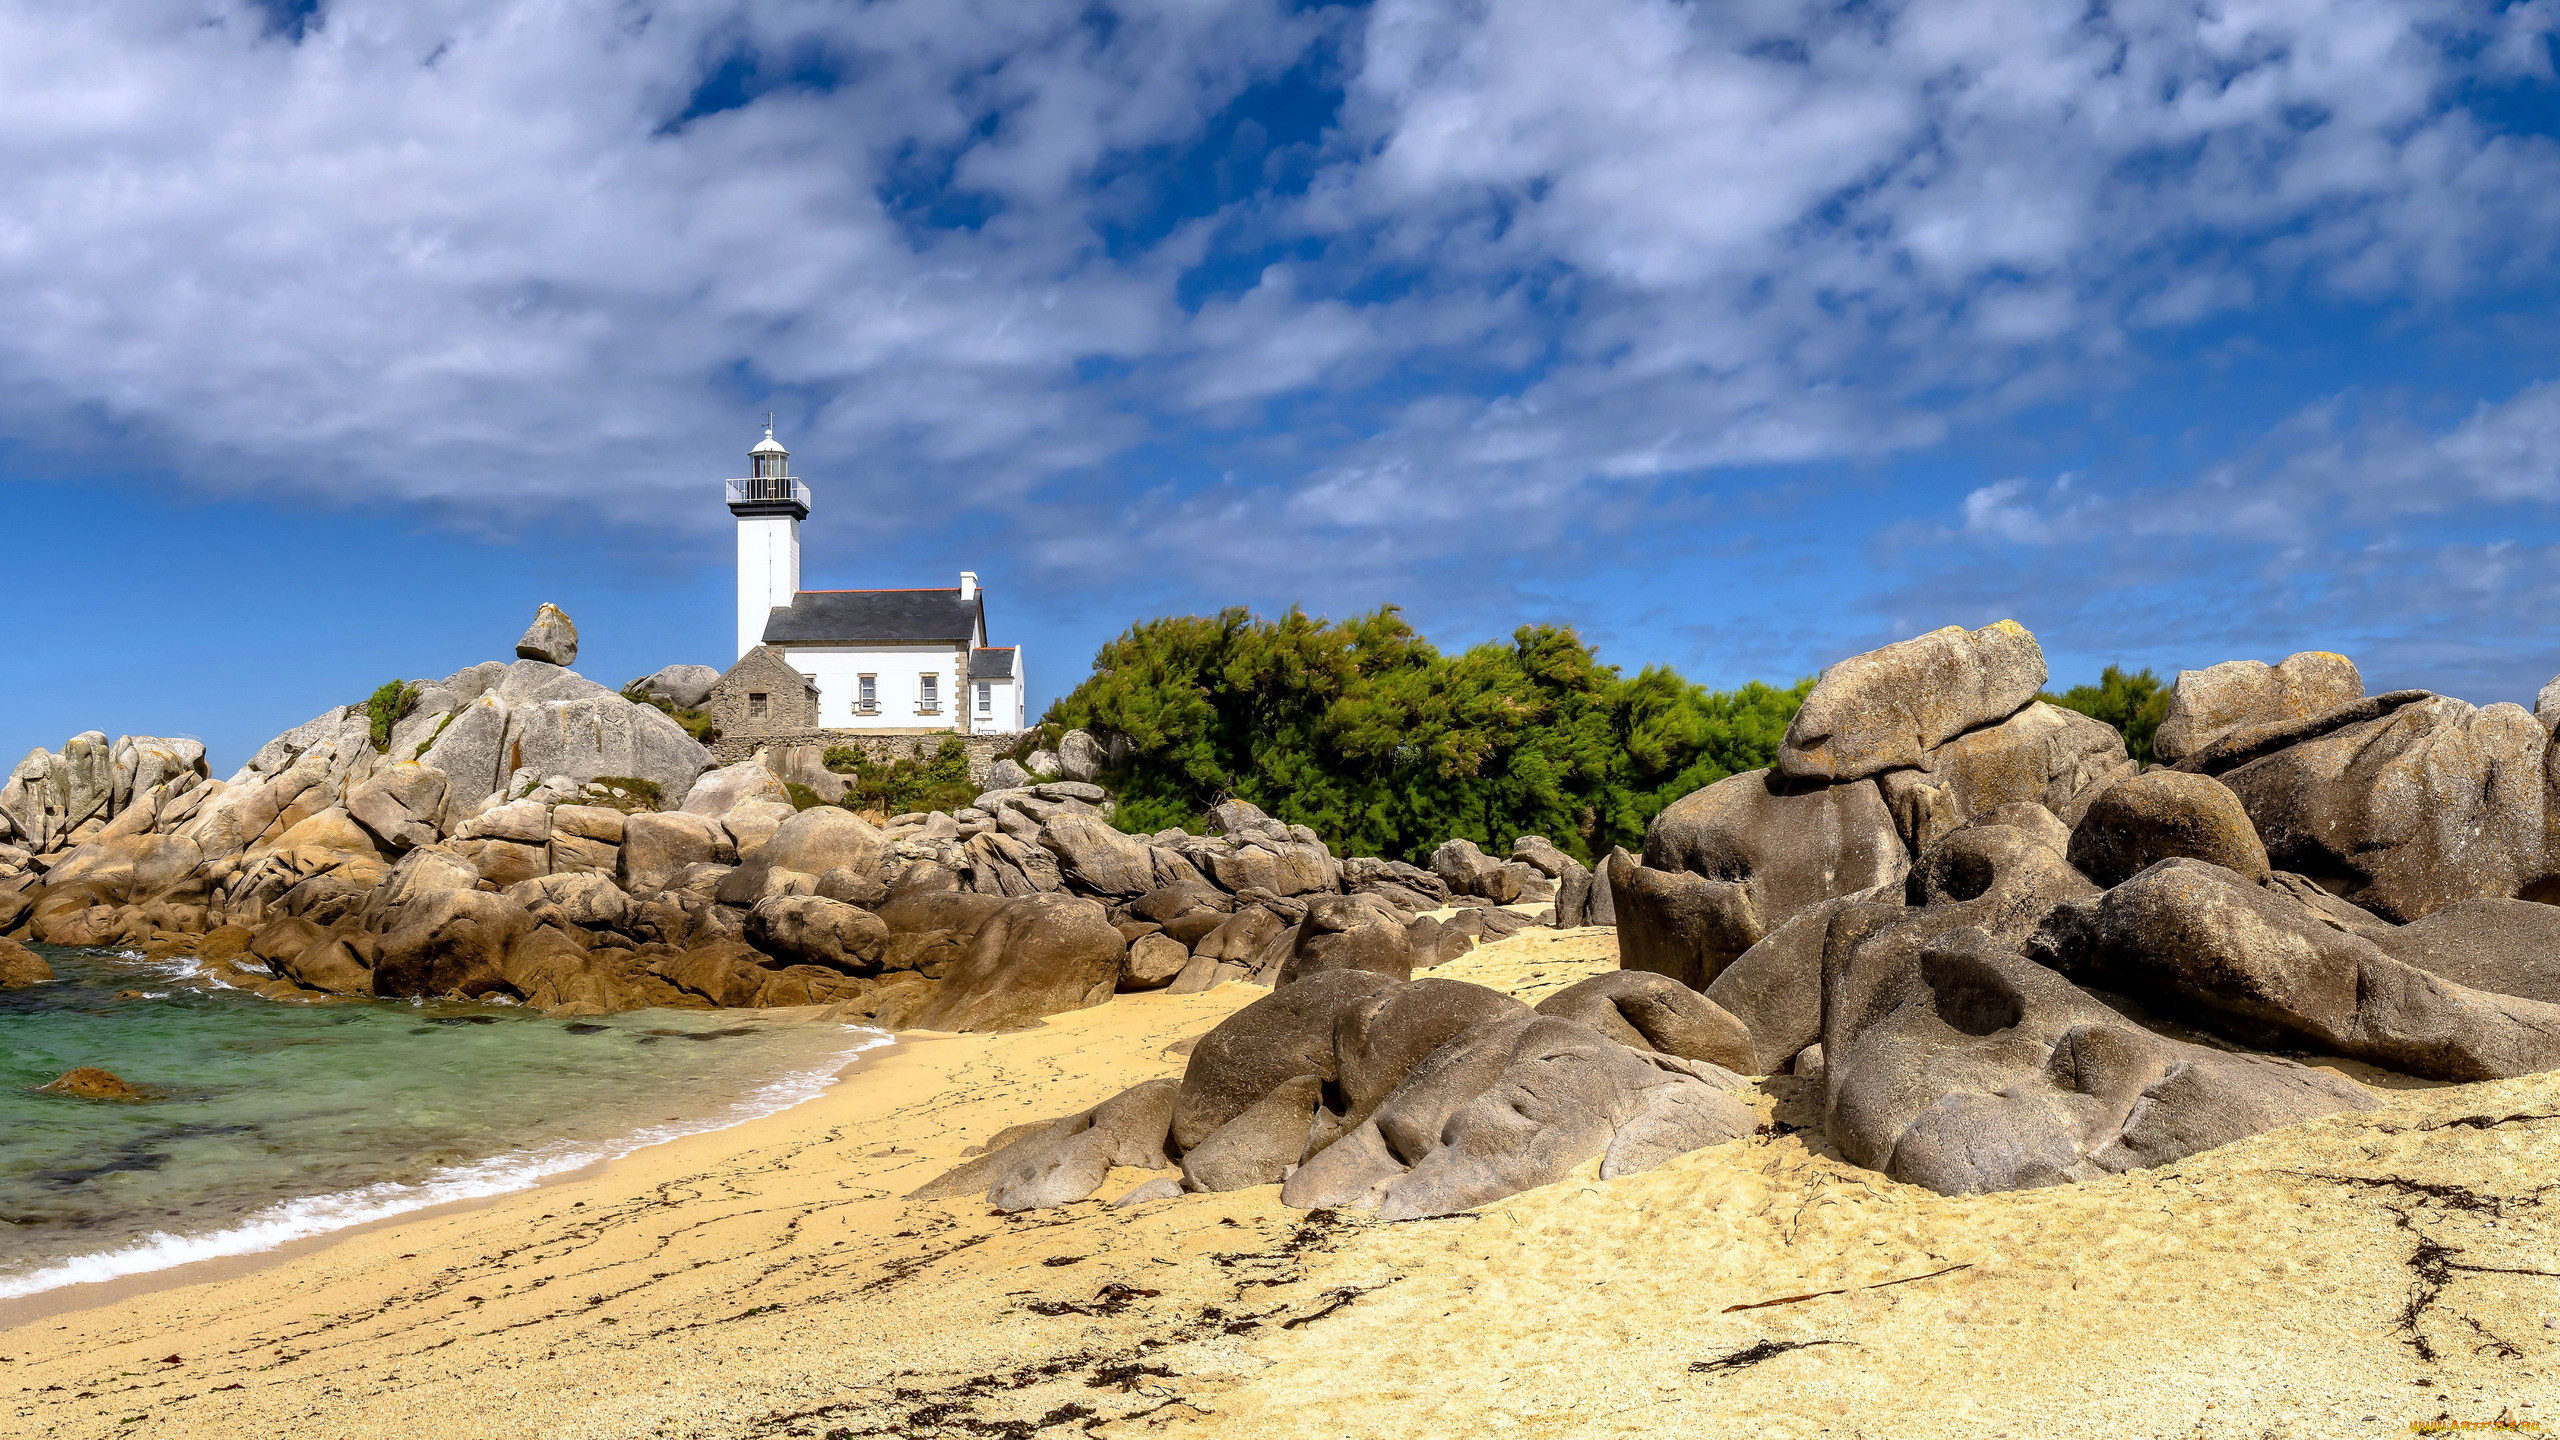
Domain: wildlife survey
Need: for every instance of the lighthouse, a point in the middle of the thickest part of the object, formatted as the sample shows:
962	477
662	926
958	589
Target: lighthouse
818	664
769	505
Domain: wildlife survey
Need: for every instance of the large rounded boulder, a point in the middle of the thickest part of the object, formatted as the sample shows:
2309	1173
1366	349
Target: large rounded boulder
21	967
2161	815
1039	955
2506	947
451	942
1378	1043
1649	1012
1277	1038
2213	702
1350	932
1952	1061
1888	708
823	838
1794	845
813	930
2252	962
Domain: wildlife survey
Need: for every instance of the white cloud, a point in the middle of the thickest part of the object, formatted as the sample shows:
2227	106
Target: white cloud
454	252
2340	465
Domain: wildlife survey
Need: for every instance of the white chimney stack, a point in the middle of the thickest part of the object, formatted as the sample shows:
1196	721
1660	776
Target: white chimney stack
968	585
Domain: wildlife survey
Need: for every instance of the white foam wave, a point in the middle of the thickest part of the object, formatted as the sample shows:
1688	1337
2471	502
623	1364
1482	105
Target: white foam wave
291	1220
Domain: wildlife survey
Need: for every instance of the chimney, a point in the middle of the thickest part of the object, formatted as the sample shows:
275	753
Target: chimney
968	585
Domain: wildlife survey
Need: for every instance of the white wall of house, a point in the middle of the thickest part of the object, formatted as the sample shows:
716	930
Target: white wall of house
1000	709
897	672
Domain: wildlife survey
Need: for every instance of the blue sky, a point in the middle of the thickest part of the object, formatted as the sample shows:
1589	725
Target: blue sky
336	336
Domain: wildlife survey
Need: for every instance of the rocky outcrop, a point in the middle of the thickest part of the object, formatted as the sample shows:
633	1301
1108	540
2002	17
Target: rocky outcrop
55	801
2278	889
1037	956
1904	913
1359	1091
2433	803
2197	940
1892	752
21	967
1952	1061
1889	708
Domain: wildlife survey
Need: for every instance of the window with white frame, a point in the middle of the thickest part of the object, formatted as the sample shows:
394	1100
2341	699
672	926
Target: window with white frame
928	693
986	698
867	695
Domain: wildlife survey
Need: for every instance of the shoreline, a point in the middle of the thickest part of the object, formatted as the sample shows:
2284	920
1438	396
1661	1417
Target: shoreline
767	1280
240	1249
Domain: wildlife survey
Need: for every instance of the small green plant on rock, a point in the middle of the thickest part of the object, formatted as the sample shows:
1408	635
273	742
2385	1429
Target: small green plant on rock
630	794
937	782
389	706
437	734
697	723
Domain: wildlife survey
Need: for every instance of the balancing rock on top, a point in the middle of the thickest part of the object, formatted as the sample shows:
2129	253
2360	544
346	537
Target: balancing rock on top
550	638
2219	699
1889	708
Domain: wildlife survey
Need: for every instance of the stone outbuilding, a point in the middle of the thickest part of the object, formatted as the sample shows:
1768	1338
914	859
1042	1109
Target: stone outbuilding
763	696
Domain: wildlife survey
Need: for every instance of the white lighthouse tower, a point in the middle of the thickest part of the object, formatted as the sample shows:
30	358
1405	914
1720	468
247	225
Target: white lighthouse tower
769	504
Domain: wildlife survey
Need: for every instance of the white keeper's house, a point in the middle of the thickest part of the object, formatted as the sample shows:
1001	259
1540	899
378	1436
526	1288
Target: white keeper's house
882	662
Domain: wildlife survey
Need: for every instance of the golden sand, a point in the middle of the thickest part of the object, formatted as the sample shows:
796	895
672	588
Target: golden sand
2346	1277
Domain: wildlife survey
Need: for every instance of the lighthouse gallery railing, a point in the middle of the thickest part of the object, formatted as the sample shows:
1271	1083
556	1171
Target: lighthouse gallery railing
767	487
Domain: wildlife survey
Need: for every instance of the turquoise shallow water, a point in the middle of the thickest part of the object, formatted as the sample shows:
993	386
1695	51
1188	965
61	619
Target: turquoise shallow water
271	1121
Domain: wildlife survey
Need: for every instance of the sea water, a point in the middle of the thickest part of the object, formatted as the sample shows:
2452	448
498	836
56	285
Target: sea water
265	1122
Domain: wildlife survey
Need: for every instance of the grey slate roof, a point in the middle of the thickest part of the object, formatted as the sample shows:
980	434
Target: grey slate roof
868	617
991	663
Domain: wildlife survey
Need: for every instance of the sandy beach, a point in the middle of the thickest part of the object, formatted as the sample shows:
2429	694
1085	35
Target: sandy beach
2346	1277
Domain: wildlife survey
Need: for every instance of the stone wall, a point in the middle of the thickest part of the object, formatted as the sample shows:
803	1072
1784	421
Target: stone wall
984	750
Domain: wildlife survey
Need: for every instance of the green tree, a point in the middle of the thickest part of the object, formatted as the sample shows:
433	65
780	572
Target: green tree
1363	731
2135	704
